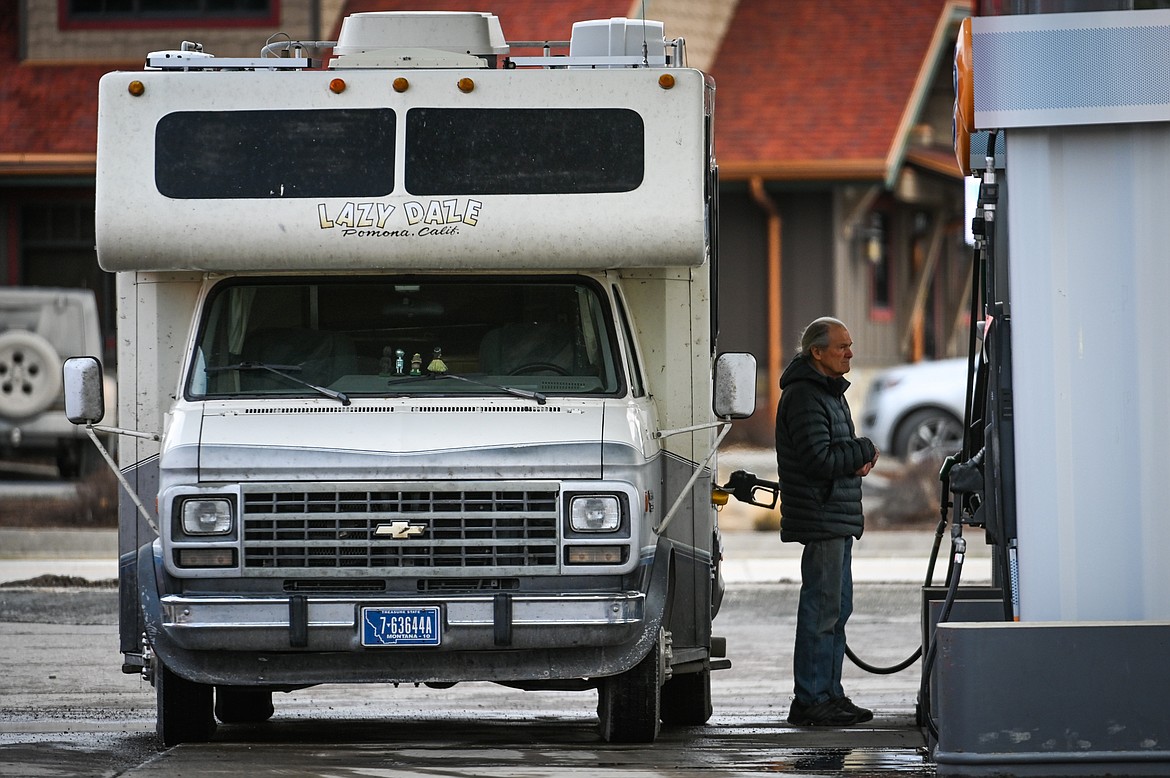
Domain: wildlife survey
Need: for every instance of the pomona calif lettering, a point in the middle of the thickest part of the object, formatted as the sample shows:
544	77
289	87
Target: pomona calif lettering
377	215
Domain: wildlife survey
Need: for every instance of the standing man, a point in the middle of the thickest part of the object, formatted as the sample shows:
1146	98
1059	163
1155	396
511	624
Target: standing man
821	464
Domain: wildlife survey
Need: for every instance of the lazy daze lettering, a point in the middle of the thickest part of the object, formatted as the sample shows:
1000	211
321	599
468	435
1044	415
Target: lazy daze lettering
412	219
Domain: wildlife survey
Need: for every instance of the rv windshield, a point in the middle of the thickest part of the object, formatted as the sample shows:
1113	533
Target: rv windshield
379	337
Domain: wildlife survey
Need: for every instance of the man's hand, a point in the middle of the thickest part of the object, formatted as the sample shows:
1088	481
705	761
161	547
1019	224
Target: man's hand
864	470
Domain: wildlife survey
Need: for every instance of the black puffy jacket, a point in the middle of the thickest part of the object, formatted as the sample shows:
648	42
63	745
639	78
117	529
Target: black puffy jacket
818	456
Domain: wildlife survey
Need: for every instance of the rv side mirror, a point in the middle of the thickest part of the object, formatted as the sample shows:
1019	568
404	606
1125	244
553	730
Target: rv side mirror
735	386
84	395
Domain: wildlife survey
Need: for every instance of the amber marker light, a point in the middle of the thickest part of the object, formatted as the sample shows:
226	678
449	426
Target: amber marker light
337	86
136	88
401	84
719	497
466	85
666	81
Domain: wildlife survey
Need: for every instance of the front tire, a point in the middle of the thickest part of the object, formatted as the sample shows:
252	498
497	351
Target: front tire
184	708
629	705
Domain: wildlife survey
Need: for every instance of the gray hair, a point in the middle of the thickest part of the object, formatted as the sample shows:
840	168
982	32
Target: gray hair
816	334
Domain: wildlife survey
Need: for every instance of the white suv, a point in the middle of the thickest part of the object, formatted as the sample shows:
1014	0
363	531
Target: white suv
39	328
915	412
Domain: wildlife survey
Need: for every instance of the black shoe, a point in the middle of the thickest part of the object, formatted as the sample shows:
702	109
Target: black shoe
824	714
860	714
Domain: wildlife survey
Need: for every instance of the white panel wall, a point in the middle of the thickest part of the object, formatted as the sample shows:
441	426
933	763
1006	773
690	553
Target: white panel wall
1089	238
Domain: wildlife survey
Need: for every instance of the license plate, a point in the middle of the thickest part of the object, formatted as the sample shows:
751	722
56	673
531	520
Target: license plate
401	626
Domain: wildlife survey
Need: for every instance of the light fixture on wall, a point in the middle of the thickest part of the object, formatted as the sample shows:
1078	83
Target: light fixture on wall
873	237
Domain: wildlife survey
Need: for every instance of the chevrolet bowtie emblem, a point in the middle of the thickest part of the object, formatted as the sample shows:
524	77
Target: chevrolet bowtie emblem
399	530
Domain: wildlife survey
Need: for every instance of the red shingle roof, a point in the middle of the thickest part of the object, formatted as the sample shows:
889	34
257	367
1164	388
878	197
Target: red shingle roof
817	88
48	112
805	88
45	109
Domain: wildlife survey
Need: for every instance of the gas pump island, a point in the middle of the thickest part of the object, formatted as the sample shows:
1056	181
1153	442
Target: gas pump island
1061	668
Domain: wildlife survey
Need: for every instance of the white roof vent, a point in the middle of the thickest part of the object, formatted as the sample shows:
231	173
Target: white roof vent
187	55
619	37
420	39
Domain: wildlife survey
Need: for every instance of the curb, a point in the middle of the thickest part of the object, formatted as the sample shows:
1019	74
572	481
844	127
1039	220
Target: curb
748	557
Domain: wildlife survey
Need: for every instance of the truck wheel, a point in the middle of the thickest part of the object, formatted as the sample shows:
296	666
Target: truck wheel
184	708
686	699
629	704
30	374
242	705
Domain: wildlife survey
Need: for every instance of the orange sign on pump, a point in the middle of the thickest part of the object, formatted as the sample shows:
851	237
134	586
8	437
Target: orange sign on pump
964	115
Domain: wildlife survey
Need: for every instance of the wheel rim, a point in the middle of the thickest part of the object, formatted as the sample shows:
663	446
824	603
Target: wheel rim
30	376
934	438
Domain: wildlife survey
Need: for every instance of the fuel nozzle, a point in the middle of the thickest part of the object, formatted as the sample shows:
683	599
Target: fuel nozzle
745	487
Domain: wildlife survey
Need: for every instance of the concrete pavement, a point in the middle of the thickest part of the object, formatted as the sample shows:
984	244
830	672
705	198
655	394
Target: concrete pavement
879	557
81	553
748	558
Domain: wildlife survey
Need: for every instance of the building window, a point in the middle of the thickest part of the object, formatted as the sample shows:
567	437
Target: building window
82	14
876	250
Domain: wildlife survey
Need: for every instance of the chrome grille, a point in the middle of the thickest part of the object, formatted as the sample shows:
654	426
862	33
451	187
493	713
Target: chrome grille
420	528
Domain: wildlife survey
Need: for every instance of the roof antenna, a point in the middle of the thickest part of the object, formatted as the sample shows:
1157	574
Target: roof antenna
645	47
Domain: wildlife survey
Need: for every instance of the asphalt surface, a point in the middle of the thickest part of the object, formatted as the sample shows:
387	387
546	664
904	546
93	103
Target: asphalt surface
67	710
70	712
748	735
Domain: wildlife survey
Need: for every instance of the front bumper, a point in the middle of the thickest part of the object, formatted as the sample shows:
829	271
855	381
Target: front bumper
469	623
290	641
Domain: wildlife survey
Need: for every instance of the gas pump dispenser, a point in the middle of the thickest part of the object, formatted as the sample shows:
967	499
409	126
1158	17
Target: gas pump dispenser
1065	118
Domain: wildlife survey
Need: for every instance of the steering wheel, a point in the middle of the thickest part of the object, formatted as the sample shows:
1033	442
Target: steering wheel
534	367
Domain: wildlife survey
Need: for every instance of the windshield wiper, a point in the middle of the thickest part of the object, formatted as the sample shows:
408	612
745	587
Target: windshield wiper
283	371
522	393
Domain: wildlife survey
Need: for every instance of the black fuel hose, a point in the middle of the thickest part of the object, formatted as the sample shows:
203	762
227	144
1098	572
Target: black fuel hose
939	531
883	670
959	544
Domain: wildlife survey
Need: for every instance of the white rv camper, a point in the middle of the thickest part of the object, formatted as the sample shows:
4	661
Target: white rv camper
427	341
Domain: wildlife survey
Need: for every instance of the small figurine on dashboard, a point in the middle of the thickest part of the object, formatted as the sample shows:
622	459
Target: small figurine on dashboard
437	364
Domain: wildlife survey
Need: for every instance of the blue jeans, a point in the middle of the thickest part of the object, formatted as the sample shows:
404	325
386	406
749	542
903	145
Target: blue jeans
826	602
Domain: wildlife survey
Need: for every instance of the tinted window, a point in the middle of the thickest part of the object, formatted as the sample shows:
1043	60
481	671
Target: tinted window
452	151
392	336
261	154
